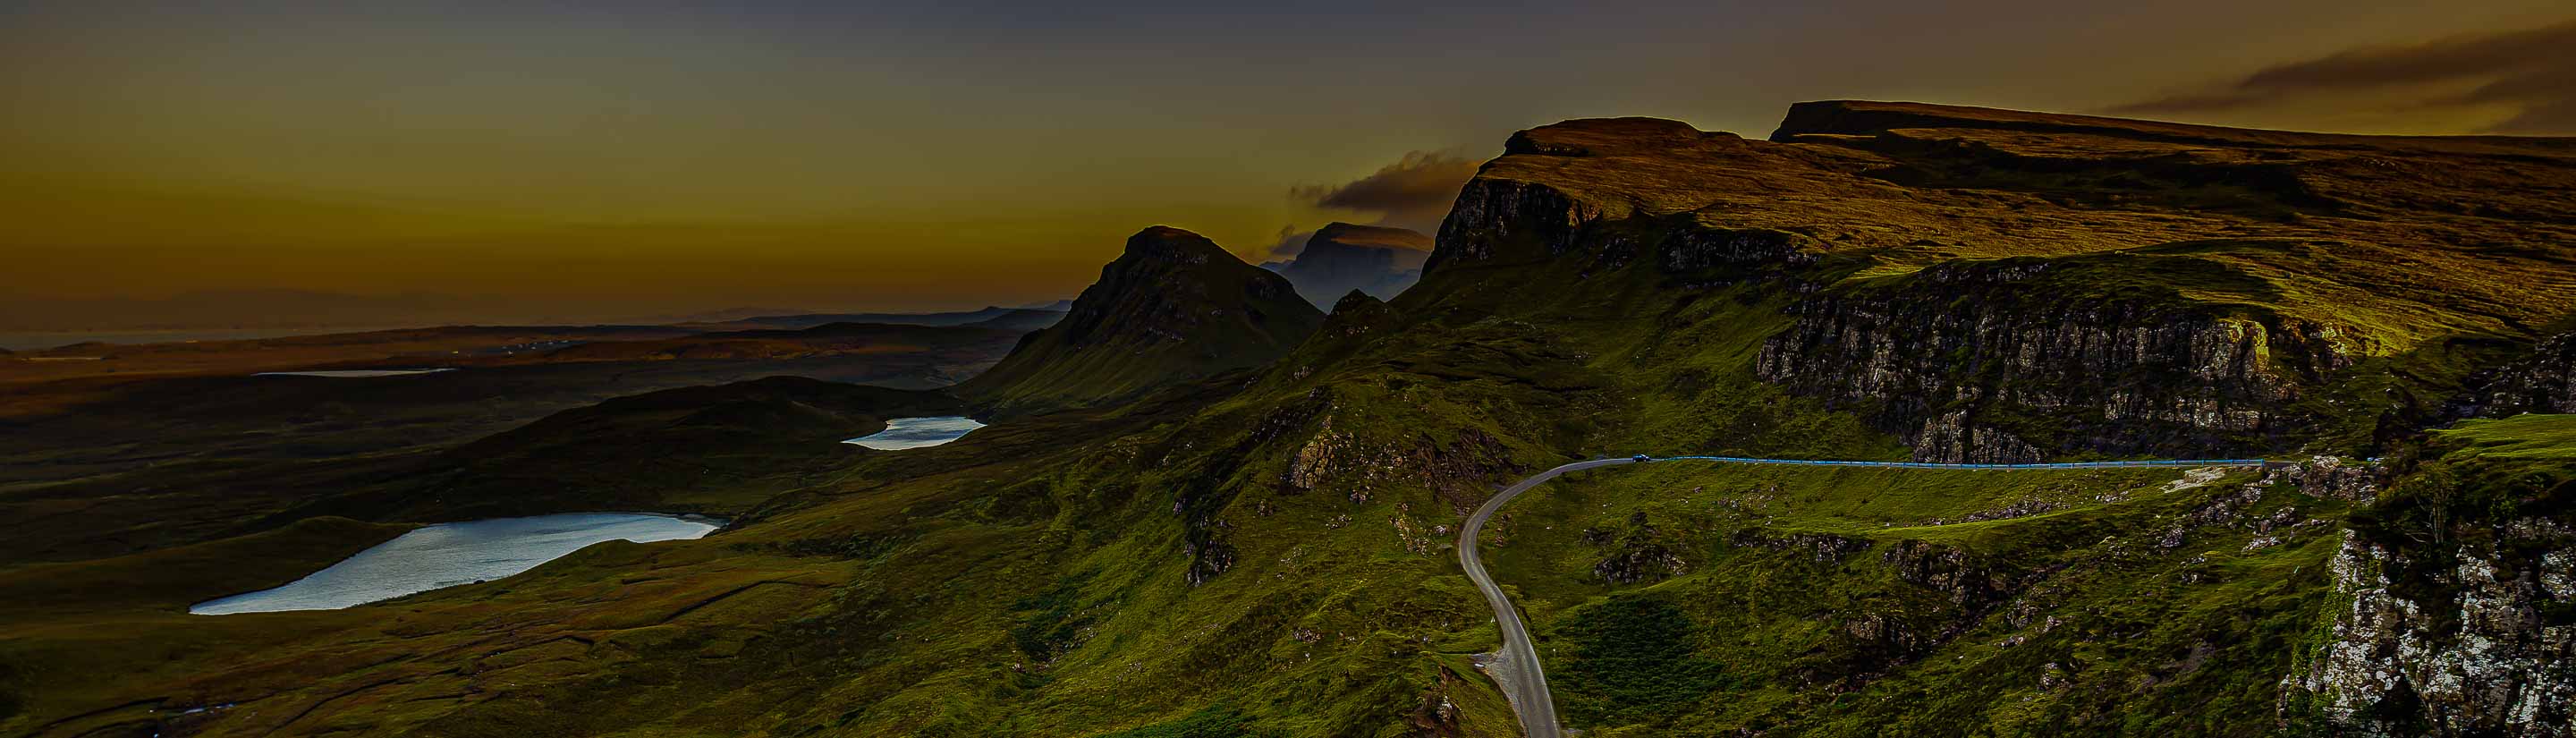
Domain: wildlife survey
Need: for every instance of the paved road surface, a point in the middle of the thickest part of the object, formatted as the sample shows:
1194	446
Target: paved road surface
1516	668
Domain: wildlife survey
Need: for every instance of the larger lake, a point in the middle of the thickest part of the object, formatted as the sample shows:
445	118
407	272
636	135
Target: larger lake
449	554
903	433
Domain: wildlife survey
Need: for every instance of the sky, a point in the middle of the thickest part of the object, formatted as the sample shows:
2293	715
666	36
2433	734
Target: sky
596	159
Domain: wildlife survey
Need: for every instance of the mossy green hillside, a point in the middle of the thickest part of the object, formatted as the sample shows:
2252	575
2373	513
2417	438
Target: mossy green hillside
1872	602
1263	548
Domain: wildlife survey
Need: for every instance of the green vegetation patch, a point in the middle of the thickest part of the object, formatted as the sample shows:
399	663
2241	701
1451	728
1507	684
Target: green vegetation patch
1209	722
1632	657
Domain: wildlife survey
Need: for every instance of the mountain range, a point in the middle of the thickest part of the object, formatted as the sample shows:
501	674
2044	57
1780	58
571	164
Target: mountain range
1205	507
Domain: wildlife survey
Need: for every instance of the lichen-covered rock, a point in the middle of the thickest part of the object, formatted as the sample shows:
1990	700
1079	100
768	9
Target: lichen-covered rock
2330	477
2544	382
1969	583
2489	649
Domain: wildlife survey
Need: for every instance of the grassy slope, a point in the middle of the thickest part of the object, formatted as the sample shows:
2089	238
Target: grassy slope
1032	579
1781	639
1174	307
142	460
1035	578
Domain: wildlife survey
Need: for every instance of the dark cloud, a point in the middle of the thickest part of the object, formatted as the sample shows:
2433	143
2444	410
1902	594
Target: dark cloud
1414	192
2534	70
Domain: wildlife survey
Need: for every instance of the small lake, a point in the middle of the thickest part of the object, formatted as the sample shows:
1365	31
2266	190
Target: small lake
903	433
354	373
450	554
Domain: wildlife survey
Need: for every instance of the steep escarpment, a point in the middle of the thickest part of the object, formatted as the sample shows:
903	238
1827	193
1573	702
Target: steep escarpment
2456	611
2001	286
1996	360
1173	307
1991	286
1342	257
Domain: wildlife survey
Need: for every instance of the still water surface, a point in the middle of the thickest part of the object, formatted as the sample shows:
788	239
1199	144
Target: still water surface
449	554
903	433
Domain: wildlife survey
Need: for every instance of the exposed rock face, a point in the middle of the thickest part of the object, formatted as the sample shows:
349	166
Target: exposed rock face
2491	651
1342	257
2544	382
1636	554
2003	286
1931	358
1174	307
1339	460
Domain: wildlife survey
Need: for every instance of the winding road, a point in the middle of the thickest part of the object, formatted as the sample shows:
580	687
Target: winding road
1515	667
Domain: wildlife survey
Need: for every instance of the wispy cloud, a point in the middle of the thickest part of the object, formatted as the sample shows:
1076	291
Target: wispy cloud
1414	192
2531	71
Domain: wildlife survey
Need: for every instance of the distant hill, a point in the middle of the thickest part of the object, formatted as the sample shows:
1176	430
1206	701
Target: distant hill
1173	307
246	308
1342	257
719	449
1021	320
1263	540
966	317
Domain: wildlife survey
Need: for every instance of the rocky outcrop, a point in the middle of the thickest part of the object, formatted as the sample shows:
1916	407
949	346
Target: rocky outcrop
1697	249
2001	362
2544	382
1341	258
2487	647
1636	553
1504	219
1821	548
1172	308
1971	583
2007	286
1338	458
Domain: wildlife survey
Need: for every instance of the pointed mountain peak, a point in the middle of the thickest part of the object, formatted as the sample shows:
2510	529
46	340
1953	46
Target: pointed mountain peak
1174	307
1342	257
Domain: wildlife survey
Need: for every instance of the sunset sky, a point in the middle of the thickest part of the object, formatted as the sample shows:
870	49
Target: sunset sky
607	159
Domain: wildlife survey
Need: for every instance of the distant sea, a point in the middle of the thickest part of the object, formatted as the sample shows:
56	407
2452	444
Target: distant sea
33	340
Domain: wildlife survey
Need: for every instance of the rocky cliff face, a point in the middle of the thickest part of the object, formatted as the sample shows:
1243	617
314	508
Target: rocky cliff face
2486	647
1993	286
2004	361
1342	257
2001	286
2455	594
2544	382
1173	307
